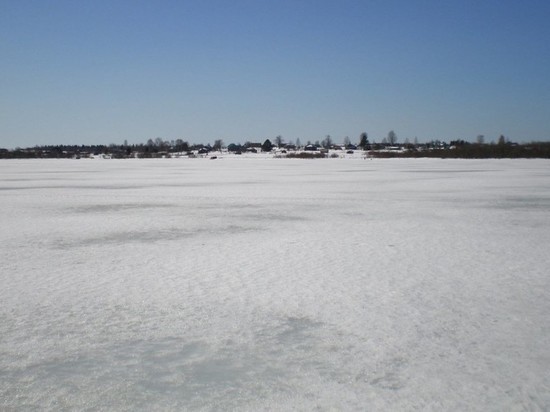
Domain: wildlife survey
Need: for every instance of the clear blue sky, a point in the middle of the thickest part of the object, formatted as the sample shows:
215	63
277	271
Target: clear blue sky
100	72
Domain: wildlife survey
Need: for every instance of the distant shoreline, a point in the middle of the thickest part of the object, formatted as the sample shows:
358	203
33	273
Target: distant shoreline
528	151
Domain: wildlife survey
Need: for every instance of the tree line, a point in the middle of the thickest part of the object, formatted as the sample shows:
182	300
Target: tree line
387	147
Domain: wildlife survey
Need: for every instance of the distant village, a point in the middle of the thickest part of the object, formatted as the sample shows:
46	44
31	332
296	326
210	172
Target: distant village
387	148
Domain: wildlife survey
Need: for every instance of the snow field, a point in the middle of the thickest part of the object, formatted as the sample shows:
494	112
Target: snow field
275	284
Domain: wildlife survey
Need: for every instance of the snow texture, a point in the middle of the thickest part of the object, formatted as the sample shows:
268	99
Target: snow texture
275	284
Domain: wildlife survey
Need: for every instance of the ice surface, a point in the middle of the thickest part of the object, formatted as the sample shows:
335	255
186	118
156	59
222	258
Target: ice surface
274	284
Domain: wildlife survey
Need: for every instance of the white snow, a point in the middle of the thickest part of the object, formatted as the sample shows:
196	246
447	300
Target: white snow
275	284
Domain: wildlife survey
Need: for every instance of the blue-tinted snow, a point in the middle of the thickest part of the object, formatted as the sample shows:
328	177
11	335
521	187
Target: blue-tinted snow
275	284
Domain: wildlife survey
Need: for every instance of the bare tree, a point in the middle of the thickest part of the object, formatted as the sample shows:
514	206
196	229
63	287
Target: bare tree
279	140
218	144
392	137
181	145
327	142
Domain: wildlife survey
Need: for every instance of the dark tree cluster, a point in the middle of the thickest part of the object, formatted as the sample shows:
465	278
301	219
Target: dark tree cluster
464	150
388	147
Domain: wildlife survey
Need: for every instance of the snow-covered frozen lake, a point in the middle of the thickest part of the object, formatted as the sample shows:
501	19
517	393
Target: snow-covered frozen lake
275	284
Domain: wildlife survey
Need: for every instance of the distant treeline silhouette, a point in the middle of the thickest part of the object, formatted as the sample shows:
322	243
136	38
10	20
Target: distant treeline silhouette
457	149
465	150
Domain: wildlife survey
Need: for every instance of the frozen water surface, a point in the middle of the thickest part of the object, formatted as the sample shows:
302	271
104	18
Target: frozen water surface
273	284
